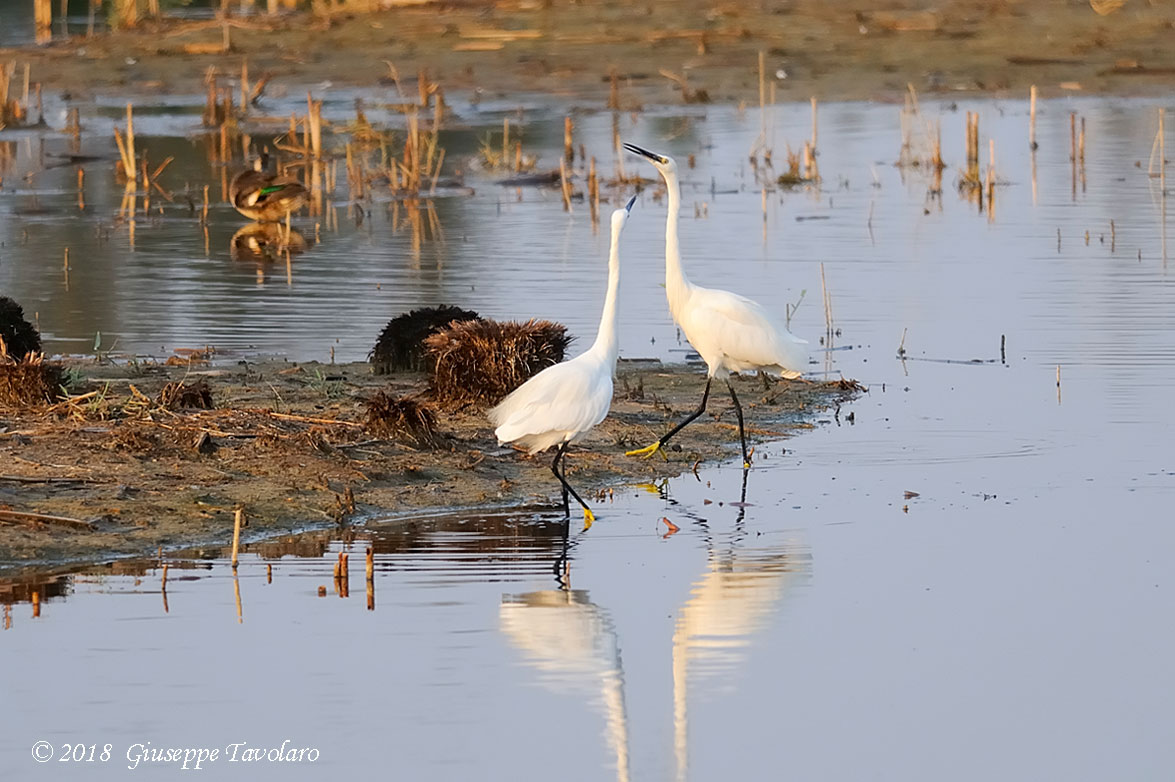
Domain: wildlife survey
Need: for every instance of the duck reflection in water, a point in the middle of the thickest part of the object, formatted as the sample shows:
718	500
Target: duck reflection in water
265	242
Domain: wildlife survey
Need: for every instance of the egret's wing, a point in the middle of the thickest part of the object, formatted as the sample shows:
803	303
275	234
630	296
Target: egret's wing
570	397
741	329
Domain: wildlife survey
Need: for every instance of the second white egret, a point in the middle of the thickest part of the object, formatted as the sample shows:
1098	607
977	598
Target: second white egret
730	332
563	402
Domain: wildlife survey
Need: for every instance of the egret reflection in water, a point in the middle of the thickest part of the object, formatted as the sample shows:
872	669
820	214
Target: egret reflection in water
572	643
736	595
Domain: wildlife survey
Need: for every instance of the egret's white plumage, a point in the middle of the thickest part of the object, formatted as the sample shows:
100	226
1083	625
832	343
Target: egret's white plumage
563	402
730	332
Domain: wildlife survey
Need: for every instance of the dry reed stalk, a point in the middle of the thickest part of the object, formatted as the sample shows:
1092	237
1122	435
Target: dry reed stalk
814	126
237	595
1081	143
43	21
314	123
36	601
1162	157
268	573
370	579
593	192
990	178
1032	118
422	86
564	185
244	86
126	13
483	361
505	137
827	302
345	570
762	97
568	142
614	90
238	521
436	174
1073	135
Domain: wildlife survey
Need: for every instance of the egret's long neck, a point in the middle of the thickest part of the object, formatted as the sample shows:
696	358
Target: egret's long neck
677	287
606	344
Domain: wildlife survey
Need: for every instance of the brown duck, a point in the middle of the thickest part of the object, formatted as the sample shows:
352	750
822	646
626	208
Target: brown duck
265	197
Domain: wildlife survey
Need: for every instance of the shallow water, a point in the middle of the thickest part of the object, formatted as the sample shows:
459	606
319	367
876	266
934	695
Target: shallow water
1009	620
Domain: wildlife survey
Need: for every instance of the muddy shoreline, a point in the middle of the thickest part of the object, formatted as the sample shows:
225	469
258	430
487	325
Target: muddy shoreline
665	52
287	443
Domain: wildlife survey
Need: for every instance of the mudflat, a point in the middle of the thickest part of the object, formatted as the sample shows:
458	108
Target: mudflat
663	51
116	472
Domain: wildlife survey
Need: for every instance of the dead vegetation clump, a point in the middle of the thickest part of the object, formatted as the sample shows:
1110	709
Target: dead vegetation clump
28	382
400	344
404	418
186	396
483	361
18	337
132	438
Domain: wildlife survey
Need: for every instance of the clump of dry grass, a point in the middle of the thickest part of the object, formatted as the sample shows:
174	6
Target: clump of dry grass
483	361
18	338
179	395
400	343
402	418
28	382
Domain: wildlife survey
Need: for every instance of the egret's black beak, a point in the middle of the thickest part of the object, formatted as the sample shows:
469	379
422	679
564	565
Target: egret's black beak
628	206
634	149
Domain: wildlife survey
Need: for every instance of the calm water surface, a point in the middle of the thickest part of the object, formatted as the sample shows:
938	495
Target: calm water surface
1010	621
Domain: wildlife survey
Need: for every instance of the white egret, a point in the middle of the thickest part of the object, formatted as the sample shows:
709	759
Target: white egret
563	402
730	332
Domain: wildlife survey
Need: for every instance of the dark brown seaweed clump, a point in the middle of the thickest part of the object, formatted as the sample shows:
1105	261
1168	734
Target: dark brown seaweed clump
18	338
400	343
404	418
482	361
28	382
182	396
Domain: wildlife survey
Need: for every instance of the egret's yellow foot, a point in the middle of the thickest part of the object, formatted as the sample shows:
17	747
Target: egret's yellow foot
648	451
746	465
588	518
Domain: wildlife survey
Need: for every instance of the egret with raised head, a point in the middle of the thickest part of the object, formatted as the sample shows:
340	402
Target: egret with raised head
730	332
563	402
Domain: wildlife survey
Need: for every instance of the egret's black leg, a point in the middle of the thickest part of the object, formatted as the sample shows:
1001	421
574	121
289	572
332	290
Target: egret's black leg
560	569
742	435
563	481
587	512
655	447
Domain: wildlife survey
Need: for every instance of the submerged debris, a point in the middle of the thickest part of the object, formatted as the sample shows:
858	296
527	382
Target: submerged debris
18	337
404	418
400	344
483	361
180	395
29	381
